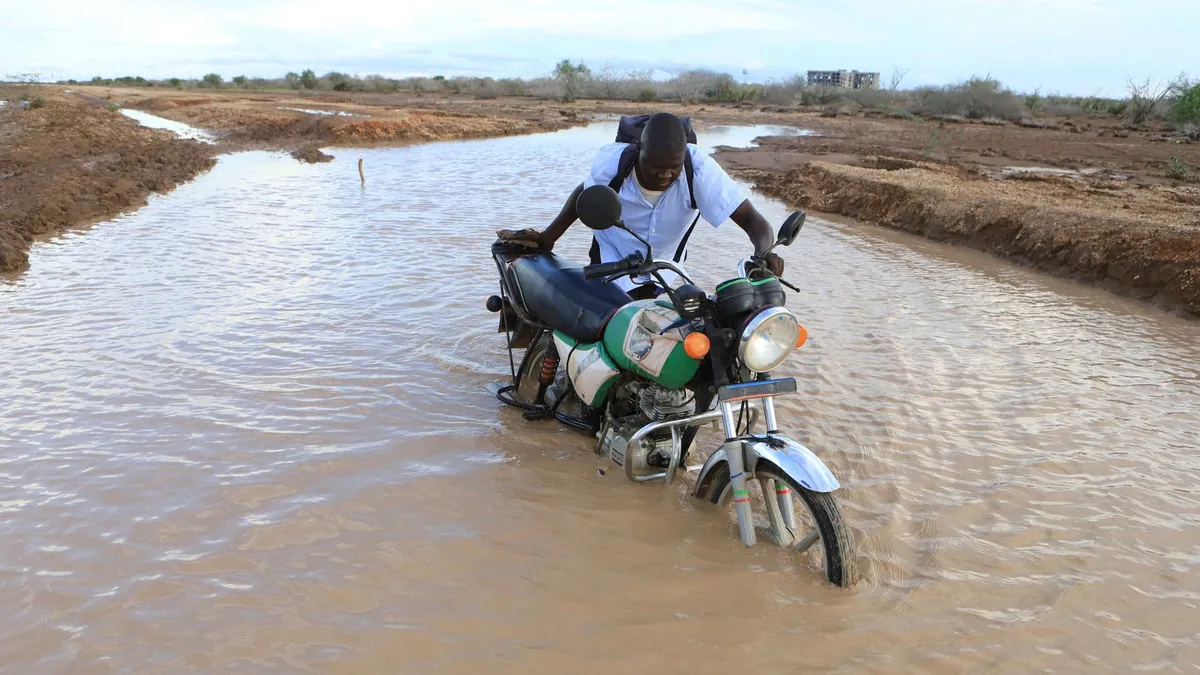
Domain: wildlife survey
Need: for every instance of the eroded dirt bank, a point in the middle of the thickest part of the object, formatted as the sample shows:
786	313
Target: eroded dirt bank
302	123
71	162
75	159
1085	200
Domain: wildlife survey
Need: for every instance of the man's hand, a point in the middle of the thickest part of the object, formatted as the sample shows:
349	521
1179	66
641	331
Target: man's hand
774	263
529	238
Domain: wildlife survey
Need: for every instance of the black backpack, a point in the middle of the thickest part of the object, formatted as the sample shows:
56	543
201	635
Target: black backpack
629	131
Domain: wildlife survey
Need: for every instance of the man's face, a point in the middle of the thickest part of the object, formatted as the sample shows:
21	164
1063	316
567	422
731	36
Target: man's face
660	169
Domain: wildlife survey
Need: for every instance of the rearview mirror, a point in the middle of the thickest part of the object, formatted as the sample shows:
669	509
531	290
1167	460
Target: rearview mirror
599	207
790	228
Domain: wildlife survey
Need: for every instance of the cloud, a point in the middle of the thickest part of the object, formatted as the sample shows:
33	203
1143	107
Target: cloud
1076	46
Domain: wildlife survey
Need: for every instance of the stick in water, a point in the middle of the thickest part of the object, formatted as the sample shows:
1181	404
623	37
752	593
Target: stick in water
361	175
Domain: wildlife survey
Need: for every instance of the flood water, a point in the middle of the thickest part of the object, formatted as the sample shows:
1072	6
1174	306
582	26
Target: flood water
246	429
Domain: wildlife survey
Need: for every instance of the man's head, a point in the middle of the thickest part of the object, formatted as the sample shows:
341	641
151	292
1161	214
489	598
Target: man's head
664	143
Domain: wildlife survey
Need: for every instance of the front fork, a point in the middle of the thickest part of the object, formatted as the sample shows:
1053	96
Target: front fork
782	508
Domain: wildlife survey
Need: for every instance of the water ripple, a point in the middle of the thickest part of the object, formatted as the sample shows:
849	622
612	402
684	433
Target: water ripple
247	428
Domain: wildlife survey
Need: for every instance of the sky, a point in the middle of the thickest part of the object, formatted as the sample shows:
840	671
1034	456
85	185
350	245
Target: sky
1080	47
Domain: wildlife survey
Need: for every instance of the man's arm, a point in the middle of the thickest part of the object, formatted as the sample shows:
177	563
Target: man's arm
565	218
759	230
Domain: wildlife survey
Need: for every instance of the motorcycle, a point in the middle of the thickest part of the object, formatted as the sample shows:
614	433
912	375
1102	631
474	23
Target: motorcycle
643	376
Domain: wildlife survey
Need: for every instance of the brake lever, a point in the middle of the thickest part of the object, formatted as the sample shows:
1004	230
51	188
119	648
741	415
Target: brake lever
761	263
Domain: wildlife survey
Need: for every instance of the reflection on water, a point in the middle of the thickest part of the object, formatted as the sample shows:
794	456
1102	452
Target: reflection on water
246	429
178	128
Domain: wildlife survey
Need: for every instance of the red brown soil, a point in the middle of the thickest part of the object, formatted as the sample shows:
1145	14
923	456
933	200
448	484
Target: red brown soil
69	162
269	119
1123	226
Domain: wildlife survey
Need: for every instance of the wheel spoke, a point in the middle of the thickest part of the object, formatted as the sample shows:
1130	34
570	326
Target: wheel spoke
808	541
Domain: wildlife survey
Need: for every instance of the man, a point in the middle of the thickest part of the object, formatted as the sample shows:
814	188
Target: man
655	201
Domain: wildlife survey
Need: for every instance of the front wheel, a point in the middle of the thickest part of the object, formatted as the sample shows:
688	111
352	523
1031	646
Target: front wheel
817	520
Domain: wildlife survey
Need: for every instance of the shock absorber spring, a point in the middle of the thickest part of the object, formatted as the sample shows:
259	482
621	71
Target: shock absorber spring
549	368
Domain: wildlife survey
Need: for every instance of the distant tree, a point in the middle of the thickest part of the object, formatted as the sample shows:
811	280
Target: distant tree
308	79
1186	109
897	77
213	80
570	75
1145	97
175	82
293	80
97	80
240	81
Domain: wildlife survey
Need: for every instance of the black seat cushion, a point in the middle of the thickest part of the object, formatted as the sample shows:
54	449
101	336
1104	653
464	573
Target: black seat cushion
553	290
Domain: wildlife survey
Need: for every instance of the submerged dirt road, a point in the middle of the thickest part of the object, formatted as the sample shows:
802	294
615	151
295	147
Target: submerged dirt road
1082	197
251	433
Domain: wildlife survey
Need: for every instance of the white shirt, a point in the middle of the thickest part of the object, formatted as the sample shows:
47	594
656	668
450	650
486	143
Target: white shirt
664	223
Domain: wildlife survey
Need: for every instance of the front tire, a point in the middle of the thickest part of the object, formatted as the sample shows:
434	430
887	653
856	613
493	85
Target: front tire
820	517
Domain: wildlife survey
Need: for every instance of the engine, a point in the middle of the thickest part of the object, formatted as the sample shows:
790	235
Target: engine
639	404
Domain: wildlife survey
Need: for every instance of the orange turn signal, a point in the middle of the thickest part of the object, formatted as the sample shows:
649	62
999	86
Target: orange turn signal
801	337
696	345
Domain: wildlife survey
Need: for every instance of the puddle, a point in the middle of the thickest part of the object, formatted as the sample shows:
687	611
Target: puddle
179	128
1045	171
743	136
331	113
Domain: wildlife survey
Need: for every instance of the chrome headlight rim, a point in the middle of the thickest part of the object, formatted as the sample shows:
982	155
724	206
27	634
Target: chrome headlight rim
761	317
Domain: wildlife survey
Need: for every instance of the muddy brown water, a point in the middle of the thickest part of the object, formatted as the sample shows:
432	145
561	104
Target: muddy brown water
245	429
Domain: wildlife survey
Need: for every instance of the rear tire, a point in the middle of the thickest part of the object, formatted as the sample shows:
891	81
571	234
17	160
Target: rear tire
824	516
531	368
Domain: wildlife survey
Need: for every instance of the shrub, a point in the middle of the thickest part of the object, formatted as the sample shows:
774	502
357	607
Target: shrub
511	87
820	95
870	98
646	95
1177	169
308	79
212	80
977	98
37	102
1145	99
175	82
693	86
1186	110
1035	102
240	81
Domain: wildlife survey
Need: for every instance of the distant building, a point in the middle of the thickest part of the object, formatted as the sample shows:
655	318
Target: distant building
846	79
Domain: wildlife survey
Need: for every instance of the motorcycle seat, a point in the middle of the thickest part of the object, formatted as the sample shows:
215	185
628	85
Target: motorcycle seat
554	291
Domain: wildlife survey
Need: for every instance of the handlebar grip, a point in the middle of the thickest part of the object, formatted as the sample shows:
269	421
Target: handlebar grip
616	267
605	269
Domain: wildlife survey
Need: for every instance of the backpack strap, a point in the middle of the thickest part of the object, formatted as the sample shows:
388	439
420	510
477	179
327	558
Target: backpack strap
624	166
691	181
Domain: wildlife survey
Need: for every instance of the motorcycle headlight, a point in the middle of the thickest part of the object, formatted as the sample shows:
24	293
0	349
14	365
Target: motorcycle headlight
769	338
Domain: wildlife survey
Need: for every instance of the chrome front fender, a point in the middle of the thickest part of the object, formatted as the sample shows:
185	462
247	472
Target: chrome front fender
792	458
797	461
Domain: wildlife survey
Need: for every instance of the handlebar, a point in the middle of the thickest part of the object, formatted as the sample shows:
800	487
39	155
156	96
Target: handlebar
629	262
